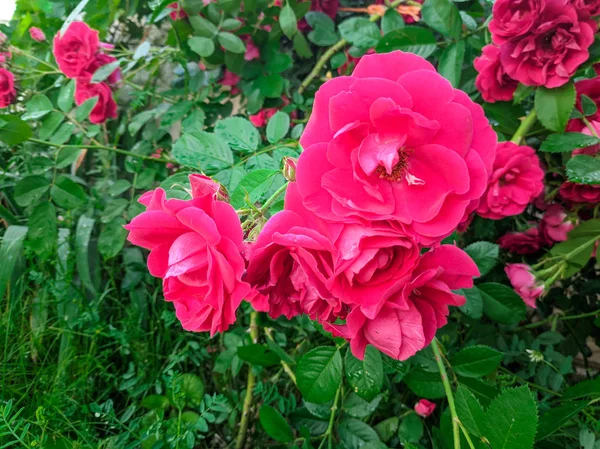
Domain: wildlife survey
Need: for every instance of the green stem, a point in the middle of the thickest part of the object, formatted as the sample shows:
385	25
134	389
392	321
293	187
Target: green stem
332	51
241	437
34	58
449	395
531	384
467	436
524	128
273	198
334	407
152	94
560	318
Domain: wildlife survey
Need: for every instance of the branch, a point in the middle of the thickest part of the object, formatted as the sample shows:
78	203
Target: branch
449	395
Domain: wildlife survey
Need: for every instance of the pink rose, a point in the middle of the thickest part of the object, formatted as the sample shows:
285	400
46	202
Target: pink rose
553	50
5	57
409	319
424	408
528	242
580	193
516	181
102	59
37	34
554	226
395	142
293	260
262	117
408	18
252	51
329	7
178	12
514	18
524	282
8	93
195	247
105	106
492	81
591	89
587	8
74	50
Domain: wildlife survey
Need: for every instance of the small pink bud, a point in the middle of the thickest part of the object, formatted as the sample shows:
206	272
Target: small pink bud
424	408
37	34
289	168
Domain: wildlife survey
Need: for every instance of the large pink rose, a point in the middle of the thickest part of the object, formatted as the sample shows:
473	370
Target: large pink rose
409	319
8	93
514	18
395	142
105	106
552	50
195	247
524	282
516	181
293	261
74	50
492	81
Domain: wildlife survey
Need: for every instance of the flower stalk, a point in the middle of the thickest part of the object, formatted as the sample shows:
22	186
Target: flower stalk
449	395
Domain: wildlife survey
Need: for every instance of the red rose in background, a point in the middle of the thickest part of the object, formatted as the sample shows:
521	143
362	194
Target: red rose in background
591	89
516	181
8	93
492	81
178	12
395	142
262	117
528	242
587	8
554	226
75	49
553	50
105	107
195	247
524	282
424	408
102	59
514	18
580	193
37	34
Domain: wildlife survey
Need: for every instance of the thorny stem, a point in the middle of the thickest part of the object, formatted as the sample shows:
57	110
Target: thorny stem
449	395
552	318
286	367
524	127
329	432
241	437
270	201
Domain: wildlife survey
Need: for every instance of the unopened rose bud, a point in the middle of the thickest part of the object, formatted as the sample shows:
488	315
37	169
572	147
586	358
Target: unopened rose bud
424	408
37	34
376	10
290	165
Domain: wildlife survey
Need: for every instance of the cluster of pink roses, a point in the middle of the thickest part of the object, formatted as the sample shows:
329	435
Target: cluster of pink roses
535	42
78	53
8	93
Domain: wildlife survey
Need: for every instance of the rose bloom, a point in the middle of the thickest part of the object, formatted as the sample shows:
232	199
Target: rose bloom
252	51
395	142
409	319
554	226
591	89
8	93
105	107
101	59
178	12
553	50
262	117
587	8
580	193
37	34
5	56
528	242
524	282
195	247
293	260
424	408
410	13
492	80
74	50
514	18
516	181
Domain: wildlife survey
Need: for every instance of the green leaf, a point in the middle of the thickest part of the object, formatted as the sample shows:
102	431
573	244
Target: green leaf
411	429
357	407
511	420
577	249
554	106
288	21
561	143
83	111
275	425
104	72
386	429
239	133
13	130
278	127
584	169
256	184
504	116
319	374
555	418
155	402
484	254
365	376
83	233
29	189
473	307
360	31
587	438
230	177
43	229
112	238
50	124
192	388
204	151
202	26
75	14
120	186
202	46
63	134
37	107
355	433
583	389
65	97
231	42
301	46
323	29
270	86
11	250
425	384
476	361
67	193
419	41
256	354
442	16
391	21
501	303
470	411
451	62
